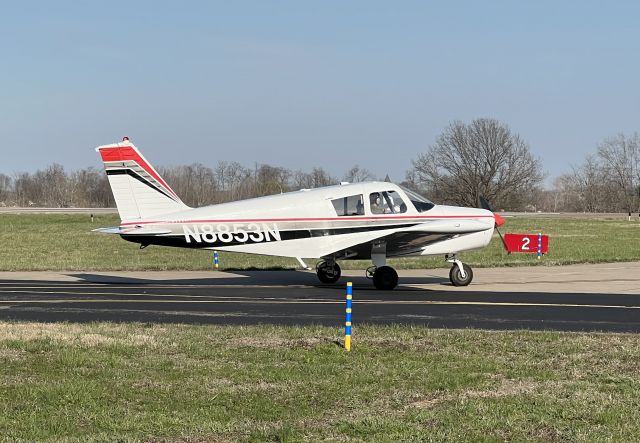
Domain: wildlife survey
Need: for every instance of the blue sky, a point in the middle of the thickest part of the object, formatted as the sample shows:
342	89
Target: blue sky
303	84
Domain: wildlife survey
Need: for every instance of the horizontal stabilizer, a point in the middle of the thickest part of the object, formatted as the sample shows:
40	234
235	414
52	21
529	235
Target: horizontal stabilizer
133	231
114	230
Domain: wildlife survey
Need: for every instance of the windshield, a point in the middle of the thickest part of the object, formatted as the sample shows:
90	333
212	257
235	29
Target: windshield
421	204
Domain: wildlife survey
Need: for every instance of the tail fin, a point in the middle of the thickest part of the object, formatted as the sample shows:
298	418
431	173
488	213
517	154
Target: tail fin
137	187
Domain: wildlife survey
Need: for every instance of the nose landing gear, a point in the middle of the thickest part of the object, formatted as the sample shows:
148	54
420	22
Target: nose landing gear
460	273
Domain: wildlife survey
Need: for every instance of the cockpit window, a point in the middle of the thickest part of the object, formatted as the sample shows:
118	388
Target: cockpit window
348	206
387	202
421	204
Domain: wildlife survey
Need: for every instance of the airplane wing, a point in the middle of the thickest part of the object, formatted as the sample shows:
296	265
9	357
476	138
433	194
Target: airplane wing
400	240
410	240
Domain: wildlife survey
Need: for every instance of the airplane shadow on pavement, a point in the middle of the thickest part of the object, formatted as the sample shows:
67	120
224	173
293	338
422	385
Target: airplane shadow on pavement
256	278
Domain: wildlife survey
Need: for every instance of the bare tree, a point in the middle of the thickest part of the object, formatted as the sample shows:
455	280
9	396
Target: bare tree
234	181
357	174
195	183
6	190
561	196
301	180
608	180
483	158
54	184
620	157
90	188
27	190
270	180
589	186
320	177
316	178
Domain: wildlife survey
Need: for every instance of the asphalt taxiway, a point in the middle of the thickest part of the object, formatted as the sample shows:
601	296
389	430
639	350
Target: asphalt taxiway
571	298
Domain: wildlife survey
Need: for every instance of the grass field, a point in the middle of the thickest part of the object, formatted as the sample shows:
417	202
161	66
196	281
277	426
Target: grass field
174	383
178	383
66	243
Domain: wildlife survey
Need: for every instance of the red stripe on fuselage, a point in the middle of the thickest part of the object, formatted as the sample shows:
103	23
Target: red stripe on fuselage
311	219
127	153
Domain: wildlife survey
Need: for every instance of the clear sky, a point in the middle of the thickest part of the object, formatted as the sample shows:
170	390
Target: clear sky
302	84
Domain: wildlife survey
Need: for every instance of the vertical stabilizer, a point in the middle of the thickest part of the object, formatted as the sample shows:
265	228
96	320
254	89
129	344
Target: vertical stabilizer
139	191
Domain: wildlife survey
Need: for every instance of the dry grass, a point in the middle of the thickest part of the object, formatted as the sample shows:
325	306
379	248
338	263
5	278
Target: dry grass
504	389
135	382
79	335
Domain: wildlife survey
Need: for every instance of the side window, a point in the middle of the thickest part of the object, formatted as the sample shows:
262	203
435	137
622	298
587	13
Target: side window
349	206
387	202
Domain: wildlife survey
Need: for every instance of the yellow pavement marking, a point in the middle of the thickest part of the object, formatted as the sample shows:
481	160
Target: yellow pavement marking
93	300
147	285
147	294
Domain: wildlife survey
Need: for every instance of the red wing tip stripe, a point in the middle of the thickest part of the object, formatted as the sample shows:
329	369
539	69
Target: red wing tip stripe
263	220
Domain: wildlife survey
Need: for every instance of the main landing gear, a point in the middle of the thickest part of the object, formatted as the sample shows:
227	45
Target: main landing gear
384	277
328	271
460	273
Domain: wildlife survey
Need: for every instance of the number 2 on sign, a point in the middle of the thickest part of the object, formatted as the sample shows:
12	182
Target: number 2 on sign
525	243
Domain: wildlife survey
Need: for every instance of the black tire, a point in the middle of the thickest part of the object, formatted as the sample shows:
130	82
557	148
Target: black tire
456	278
328	274
385	278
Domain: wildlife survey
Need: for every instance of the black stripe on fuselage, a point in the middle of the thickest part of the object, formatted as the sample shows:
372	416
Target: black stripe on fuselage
138	177
179	240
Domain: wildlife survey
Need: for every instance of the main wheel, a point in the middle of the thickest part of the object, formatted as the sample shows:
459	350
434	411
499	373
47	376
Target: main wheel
385	277
456	277
328	273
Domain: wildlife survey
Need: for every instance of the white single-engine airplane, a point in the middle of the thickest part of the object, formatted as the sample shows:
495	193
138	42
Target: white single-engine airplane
372	220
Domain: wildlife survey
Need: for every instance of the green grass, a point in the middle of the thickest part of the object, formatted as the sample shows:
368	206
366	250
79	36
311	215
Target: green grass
166	383
66	243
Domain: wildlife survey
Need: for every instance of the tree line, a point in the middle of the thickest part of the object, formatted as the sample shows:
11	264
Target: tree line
608	180
483	158
196	184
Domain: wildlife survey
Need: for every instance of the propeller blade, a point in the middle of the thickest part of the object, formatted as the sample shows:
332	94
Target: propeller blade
503	240
484	204
499	221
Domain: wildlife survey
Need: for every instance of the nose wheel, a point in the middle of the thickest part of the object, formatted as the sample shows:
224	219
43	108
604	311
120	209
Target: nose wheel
458	277
328	272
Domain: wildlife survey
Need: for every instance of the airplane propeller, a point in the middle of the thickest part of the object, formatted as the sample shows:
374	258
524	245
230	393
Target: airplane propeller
499	221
